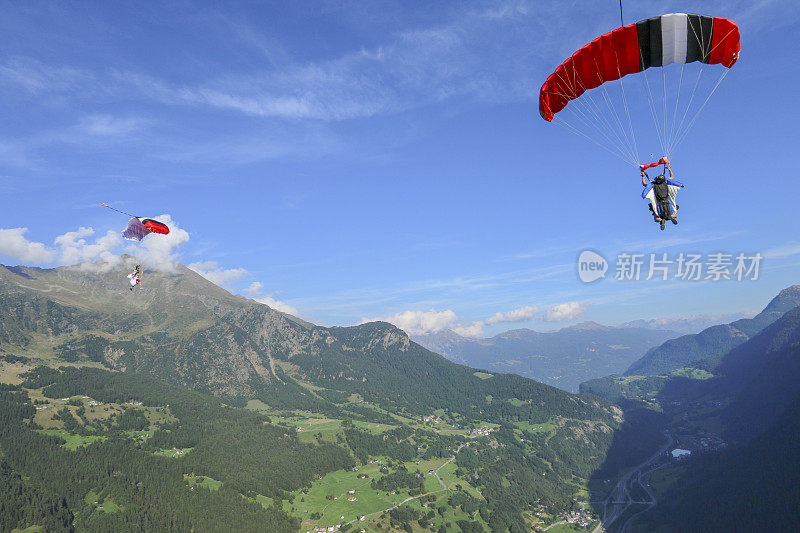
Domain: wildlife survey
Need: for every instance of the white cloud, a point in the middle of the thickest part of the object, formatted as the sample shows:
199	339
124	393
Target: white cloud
283	307
108	125
475	329
419	322
158	251
565	311
75	249
517	315
14	244
154	251
472	330
215	274
254	288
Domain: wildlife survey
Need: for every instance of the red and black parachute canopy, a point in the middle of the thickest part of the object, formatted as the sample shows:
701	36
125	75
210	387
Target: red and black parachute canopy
138	227
655	42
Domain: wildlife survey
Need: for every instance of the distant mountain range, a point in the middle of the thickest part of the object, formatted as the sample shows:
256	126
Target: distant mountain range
690	355
688	324
562	358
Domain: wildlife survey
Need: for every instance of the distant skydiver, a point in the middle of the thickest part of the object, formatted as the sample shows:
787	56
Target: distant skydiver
135	277
662	193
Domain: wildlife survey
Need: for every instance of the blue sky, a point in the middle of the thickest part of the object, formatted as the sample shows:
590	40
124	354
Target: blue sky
359	160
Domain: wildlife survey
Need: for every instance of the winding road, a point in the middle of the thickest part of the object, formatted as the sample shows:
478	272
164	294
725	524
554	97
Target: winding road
619	499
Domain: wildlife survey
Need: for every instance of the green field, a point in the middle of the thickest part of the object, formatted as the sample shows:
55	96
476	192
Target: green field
106	505
336	485
174	452
203	481
563	528
311	426
73	441
368	501
544	427
663	479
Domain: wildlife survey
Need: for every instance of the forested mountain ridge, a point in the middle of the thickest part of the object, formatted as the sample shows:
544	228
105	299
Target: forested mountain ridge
186	330
385	406
713	341
563	358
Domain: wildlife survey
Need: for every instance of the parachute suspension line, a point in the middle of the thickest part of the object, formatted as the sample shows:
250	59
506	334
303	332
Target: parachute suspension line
672	133
651	105
566	125
719	81
627	111
590	115
701	41
691	99
605	121
665	124
609	103
580	115
619	131
621	23
616	144
697	114
602	120
117	210
582	111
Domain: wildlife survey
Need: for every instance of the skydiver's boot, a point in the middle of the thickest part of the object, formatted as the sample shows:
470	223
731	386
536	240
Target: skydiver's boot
662	225
675	220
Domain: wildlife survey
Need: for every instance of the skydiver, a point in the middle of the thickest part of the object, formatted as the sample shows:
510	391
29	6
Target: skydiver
661	193
135	277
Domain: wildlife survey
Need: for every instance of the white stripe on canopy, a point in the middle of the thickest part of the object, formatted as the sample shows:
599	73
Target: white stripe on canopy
674	32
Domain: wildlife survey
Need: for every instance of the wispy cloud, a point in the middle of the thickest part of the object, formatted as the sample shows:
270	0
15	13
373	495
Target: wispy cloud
213	272
419	322
564	312
75	248
254	290
780	252
278	305
522	314
14	245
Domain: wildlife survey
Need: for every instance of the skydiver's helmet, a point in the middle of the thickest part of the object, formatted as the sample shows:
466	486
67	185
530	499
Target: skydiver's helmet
659	179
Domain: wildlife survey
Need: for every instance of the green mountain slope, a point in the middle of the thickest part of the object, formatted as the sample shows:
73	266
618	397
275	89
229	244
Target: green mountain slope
336	398
740	421
751	488
713	341
186	330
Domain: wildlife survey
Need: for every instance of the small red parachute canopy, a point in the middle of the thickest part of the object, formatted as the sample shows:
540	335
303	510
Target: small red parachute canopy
655	42
139	228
